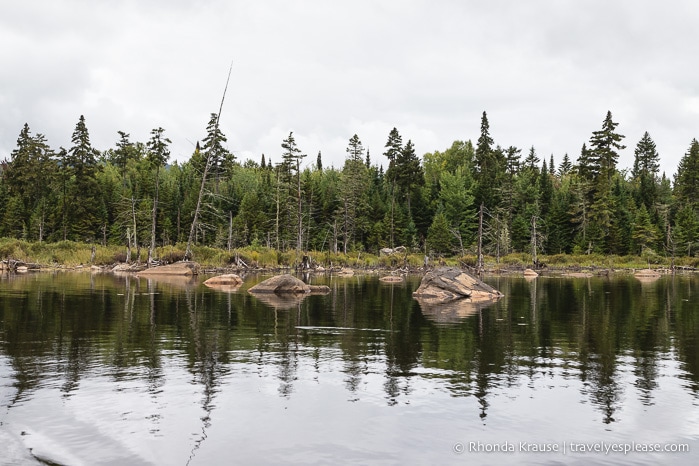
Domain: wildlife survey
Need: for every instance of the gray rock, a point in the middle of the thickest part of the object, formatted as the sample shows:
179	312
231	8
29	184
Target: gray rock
283	284
178	268
446	284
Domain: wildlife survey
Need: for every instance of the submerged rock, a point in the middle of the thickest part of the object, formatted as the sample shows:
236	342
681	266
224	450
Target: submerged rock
178	268
530	273
447	284
286	284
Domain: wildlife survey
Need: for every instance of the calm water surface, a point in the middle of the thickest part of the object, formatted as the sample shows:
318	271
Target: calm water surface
106	369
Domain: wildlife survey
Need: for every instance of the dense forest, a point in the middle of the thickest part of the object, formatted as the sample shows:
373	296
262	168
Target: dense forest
131	195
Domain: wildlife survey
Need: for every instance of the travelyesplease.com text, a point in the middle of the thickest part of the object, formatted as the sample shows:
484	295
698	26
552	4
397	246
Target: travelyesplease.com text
570	447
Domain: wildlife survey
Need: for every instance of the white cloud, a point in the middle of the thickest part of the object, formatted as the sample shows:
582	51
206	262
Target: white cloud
545	71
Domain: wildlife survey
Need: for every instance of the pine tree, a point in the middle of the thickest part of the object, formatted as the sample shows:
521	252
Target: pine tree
408	172
686	187
489	165
566	166
158	155
603	157
645	170
644	234
439	238
459	210
545	189
353	190
686	231
532	160
394	146
215	154
28	180
604	147
87	214
291	161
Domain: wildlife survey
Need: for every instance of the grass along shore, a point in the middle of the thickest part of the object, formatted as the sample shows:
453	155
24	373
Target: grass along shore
69	254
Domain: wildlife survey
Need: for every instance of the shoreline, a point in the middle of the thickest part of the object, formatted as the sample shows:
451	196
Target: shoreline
580	271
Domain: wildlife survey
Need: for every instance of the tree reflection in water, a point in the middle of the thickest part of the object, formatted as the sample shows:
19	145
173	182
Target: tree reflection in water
58	330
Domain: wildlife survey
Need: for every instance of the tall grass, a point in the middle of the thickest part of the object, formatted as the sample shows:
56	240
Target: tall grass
69	253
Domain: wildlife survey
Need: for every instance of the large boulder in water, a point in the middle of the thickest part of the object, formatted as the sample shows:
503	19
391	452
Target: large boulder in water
283	284
447	284
178	268
229	282
228	279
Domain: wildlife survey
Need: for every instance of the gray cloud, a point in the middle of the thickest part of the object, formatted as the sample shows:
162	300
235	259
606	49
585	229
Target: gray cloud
545	71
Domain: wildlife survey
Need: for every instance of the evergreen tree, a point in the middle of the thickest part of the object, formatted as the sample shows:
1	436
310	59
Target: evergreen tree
408	172
439	238
28	178
158	155
532	160
645	170
603	157
218	158
686	188
394	146
686	231
457	201
354	185
545	189
489	165
604	147
87	213
291	161
644	234
566	166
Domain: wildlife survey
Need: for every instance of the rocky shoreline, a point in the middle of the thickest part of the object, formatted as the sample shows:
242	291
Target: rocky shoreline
18	266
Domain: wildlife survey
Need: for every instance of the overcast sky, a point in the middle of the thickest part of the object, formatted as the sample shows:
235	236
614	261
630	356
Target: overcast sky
545	71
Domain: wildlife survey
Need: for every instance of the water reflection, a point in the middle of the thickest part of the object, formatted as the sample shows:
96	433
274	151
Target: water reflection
613	340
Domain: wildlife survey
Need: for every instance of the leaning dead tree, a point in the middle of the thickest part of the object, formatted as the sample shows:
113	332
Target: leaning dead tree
207	167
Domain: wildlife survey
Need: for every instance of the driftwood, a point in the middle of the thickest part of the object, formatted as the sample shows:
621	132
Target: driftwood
12	265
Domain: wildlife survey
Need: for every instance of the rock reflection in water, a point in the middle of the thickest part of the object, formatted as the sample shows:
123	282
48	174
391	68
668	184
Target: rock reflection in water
454	312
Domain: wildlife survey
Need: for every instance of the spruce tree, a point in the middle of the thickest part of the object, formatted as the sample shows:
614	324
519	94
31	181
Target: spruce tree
686	187
87	214
566	166
489	166
645	170
439	238
158	155
394	146
291	163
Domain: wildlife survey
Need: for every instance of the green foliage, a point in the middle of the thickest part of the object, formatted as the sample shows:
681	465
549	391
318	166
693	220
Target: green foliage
128	195
439	238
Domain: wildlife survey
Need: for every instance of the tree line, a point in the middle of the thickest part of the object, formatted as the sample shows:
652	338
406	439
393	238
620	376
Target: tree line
484	197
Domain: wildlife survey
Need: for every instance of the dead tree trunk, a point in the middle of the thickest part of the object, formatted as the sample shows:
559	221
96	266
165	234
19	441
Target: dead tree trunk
207	167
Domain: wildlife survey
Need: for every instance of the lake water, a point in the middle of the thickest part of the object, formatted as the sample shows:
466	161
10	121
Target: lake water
100	369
